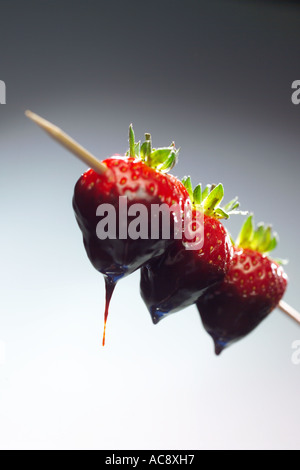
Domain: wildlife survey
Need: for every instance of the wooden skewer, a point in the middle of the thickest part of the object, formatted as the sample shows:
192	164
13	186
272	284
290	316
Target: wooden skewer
67	141
89	159
290	311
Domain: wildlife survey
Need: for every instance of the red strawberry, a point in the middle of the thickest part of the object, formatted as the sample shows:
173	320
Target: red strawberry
252	288
178	278
140	179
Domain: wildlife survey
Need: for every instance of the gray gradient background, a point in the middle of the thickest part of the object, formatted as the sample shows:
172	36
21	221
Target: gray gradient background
216	77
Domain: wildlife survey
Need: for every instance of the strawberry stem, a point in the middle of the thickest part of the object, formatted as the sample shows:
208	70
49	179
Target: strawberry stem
146	148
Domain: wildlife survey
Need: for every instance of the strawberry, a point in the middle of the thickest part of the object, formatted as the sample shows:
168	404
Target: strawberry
178	278
139	177
252	288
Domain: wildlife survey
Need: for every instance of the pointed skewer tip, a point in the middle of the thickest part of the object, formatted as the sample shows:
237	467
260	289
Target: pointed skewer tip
69	143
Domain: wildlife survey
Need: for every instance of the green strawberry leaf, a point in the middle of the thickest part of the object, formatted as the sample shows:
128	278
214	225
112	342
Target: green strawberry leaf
137	149
206	191
162	159
261	239
258	236
131	142
146	148
246	234
169	163
208	199
263	247
273	243
197	195
188	186
232	205
213	199
220	213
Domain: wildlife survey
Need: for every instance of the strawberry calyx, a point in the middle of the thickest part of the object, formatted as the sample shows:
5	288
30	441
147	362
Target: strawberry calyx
209	198
162	159
260	238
